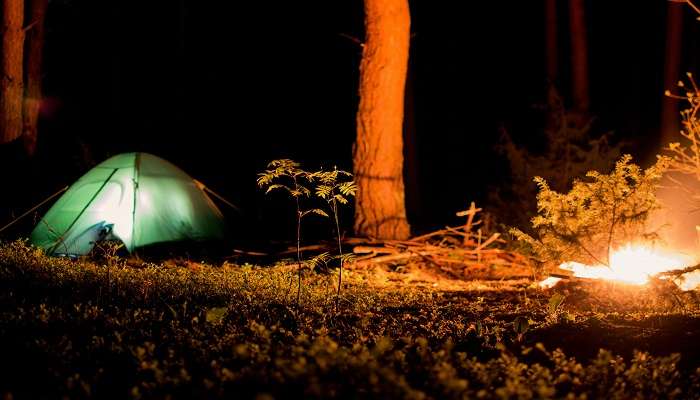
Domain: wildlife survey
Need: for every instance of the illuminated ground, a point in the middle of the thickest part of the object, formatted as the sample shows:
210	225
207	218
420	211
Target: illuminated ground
190	330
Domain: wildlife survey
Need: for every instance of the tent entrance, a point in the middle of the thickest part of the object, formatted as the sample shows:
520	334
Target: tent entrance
97	237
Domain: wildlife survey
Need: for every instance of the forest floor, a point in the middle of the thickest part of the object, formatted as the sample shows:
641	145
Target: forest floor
181	329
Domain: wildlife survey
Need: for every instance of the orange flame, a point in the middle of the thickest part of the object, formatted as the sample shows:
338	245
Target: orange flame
632	264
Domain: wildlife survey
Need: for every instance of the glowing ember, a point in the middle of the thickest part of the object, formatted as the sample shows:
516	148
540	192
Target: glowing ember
631	264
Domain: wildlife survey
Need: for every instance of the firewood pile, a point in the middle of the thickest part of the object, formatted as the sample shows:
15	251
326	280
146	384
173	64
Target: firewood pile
459	250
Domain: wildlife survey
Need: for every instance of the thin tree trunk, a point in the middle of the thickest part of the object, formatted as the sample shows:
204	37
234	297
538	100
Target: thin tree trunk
35	47
11	70
579	57
670	116
378	152
551	53
552	116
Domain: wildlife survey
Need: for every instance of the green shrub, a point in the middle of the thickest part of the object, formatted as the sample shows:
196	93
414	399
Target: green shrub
596	215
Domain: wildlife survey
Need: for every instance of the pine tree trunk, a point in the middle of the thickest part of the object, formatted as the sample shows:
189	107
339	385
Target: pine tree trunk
410	148
670	116
579	57
551	54
11	87
378	152
35	47
552	116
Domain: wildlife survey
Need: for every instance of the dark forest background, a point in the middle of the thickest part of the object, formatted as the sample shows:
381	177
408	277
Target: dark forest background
221	88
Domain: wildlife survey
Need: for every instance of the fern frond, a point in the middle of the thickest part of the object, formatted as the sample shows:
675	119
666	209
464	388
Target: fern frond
348	188
347	258
340	199
323	191
276	187
316	211
303	190
319	260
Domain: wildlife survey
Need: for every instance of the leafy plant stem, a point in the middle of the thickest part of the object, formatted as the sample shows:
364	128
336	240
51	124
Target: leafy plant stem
340	251
298	244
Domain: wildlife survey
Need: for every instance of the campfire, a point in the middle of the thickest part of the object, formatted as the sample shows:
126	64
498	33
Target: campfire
631	264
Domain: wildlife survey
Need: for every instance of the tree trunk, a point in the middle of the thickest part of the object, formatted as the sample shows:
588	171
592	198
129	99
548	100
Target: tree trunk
35	47
551	54
378	152
579	57
410	148
11	70
670	116
552	120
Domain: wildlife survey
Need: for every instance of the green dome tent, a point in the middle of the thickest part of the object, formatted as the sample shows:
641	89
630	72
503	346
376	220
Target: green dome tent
137	198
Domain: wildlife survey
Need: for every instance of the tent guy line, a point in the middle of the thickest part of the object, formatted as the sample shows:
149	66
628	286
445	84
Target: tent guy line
46	200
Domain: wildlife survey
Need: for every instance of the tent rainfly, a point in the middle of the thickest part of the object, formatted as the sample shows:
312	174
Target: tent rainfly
137	198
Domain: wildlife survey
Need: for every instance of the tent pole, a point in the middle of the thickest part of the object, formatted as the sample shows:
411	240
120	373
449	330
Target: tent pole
135	181
33	208
60	239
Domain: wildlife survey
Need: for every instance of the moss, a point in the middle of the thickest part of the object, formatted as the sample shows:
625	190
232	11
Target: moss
161	330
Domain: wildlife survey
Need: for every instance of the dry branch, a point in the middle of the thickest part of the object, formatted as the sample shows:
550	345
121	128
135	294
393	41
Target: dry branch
677	273
454	249
457	250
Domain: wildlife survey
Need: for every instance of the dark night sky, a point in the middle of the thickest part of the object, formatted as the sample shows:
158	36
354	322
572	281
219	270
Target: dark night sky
221	88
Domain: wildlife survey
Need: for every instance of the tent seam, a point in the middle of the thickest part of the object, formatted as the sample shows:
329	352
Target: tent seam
80	214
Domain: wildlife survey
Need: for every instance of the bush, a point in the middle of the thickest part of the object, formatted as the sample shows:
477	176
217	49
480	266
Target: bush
595	216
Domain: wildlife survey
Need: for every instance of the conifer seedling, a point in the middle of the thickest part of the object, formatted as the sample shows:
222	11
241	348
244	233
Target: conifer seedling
596	215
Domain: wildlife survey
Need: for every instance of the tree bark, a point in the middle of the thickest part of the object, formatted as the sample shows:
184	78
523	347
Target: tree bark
410	148
552	120
380	210
579	57
551	53
670	117
34	58
11	86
